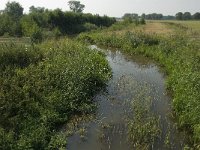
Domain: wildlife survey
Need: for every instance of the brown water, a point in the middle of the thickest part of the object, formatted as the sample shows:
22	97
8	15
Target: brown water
108	131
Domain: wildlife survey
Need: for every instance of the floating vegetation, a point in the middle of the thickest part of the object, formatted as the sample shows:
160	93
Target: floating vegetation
144	127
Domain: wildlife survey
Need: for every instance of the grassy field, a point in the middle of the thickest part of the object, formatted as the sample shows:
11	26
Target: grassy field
194	25
174	46
191	28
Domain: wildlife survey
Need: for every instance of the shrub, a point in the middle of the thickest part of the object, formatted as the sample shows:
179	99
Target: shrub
42	86
90	27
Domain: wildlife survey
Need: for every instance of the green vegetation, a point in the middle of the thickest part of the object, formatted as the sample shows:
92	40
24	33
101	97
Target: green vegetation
180	57
42	87
42	23
76	6
144	127
156	16
187	16
45	80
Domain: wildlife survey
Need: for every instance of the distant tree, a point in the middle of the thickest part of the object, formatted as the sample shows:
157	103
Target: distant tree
130	16
127	15
159	16
135	16
34	9
154	16
76	6
187	16
143	16
14	9
142	21
169	17
196	16
179	16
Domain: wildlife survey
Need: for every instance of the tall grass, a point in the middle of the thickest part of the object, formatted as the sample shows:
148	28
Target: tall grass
181	59
43	86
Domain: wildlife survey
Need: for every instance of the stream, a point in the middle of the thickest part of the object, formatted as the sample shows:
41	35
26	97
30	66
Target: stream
108	130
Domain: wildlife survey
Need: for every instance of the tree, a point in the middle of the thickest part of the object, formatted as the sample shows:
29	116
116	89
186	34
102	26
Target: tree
154	16
187	16
76	6
135	16
31	29
196	16
34	9
127	15
179	16
14	10
143	16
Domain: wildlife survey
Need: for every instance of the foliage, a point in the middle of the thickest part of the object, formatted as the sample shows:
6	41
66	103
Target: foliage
179	55
144	127
196	16
14	10
90	27
31	29
34	9
187	16
154	16
10	27
14	23
76	6
130	16
42	86
142	21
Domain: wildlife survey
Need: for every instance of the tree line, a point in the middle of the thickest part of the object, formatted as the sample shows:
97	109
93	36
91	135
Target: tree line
187	16
156	16
41	22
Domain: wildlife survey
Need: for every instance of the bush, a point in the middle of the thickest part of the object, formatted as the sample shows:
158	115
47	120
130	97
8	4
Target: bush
90	27
42	86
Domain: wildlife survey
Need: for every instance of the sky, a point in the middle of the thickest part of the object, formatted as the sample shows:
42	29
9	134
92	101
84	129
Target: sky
117	8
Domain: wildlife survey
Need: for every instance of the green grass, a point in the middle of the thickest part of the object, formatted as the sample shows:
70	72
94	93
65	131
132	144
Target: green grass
42	87
180	58
189	28
15	40
194	25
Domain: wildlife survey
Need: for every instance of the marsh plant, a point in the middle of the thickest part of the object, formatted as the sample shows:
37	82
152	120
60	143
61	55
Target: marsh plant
144	126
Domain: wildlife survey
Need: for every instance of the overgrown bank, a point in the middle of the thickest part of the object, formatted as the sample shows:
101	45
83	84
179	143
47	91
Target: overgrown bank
180	58
41	87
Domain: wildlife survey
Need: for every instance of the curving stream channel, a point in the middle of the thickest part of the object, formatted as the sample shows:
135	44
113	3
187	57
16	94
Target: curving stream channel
109	129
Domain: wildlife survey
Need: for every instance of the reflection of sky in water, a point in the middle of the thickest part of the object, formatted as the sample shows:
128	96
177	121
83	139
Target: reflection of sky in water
130	76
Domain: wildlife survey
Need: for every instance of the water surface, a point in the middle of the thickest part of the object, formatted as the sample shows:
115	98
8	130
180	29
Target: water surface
108	131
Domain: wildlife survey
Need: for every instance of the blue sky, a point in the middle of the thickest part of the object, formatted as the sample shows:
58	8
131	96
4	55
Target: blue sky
117	8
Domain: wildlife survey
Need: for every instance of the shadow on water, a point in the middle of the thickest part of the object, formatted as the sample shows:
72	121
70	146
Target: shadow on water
108	131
